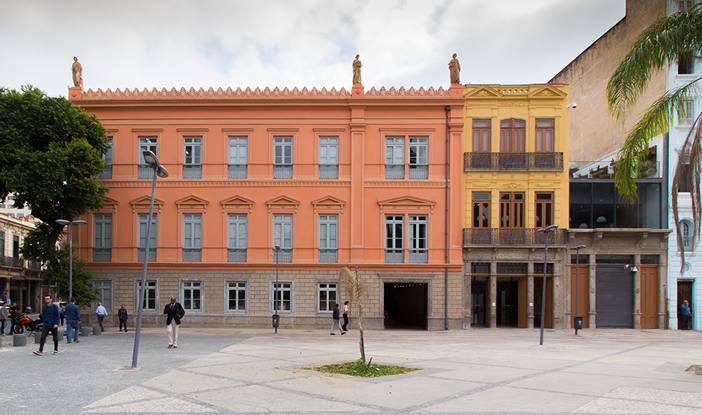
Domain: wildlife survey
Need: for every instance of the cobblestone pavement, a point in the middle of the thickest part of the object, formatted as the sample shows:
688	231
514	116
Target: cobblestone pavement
230	371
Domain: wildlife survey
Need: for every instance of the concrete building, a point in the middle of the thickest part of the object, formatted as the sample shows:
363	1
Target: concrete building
515	183
20	280
367	179
625	265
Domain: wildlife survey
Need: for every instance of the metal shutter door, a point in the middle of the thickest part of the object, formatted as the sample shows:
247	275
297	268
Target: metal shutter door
615	297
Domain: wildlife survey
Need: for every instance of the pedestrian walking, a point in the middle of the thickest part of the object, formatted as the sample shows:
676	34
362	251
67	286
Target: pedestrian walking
14	310
122	315
174	312
4	314
346	315
73	321
335	320
685	315
50	318
101	314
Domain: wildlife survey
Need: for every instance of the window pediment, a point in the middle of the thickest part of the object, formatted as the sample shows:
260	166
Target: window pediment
192	204
484	91
328	203
547	91
237	203
407	204
143	203
109	205
282	203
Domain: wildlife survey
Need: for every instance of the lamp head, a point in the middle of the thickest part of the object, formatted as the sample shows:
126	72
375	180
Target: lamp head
79	222
578	247
277	247
151	159
161	171
63	222
572	105
549	228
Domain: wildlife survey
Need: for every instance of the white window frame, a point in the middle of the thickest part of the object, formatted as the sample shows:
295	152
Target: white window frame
237	225
395	157
189	300
153	240
324	289
192	237
192	157
147	143
102	237
235	288
107	158
238	157
329	157
150	293
394	243
328	238
283	287
282	157
104	287
417	244
419	167
282	236
688	242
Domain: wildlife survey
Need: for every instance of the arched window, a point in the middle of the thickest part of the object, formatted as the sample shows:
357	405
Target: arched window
686	230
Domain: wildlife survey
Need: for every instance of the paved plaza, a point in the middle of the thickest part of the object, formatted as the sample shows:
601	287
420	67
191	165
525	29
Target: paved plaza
232	371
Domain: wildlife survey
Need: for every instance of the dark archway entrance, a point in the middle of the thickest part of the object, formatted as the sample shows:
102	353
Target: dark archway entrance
405	305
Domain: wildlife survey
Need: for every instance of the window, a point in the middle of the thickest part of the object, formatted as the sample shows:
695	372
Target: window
236	246
192	157
238	157
512	136
143	221
686	112
2	243
544	135
328	157
104	289
102	246
394	234
236	296
394	157
107	158
418	158
481	210
418	253
684	4
282	236
192	296
544	210
149	295
146	143
192	237
686	64
328	238
481	136
511	210
684	182
282	158
15	246
327	294
686	230
283	300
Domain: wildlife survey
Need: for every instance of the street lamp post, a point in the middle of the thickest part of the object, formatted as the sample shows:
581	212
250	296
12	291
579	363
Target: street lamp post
70	224
276	317
577	275
159	171
546	231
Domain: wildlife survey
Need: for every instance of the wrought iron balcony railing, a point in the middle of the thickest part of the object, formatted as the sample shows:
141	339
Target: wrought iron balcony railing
503	236
513	161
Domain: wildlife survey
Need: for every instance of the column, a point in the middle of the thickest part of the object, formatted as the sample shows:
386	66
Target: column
530	295
592	288
492	306
637	292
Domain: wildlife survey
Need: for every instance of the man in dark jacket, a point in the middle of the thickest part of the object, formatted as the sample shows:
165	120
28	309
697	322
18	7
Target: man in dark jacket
72	321
174	312
122	315
50	320
335	320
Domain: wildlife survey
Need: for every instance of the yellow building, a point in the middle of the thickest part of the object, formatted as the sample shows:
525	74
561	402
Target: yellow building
515	183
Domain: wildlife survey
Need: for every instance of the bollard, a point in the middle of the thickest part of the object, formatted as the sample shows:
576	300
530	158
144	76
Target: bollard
19	340
97	330
85	331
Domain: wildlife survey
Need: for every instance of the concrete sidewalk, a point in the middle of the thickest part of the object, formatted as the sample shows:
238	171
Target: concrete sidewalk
232	371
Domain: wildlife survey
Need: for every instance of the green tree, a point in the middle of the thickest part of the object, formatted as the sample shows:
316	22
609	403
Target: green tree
668	40
50	156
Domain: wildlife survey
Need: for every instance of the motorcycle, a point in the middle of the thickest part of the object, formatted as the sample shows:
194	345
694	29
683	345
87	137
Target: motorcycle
25	322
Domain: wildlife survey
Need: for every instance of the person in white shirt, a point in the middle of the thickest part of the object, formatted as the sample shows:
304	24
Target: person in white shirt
101	314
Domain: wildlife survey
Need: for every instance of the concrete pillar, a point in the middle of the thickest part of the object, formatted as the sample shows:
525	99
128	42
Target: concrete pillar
19	340
662	285
637	292
97	330
592	287
85	331
468	299
530	295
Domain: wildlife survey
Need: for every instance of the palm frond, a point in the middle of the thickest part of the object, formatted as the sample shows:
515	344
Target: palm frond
655	121
660	44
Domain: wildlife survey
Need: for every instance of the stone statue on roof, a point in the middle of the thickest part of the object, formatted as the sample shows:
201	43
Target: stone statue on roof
77	69
357	71
455	70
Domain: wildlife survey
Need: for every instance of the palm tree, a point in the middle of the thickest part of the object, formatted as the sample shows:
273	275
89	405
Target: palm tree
668	40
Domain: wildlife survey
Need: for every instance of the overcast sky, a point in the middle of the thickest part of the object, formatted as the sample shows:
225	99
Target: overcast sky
290	43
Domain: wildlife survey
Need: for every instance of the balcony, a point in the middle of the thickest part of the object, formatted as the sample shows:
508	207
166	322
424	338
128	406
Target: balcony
502	236
11	262
513	161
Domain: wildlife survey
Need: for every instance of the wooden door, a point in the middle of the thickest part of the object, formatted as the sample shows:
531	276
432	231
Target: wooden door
684	293
583	293
649	296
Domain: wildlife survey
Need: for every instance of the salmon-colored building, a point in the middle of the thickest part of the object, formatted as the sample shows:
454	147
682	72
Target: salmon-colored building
369	178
